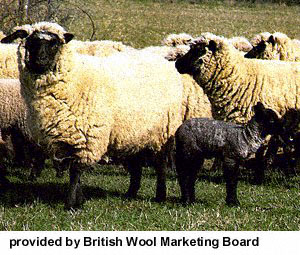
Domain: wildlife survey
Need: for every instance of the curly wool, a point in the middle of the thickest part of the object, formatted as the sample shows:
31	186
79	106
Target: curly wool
234	84
117	106
12	106
99	48
8	61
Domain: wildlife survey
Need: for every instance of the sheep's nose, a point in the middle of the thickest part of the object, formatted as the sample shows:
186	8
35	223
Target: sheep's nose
181	66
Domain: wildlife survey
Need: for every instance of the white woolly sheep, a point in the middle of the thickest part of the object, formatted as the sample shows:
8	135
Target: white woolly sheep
14	127
83	107
276	46
234	84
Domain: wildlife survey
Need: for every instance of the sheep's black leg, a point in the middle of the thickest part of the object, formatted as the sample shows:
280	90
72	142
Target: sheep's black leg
231	174
18	142
161	189
75	198
3	172
38	162
135	171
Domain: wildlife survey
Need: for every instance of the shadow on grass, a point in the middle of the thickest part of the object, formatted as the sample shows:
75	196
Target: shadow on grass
13	194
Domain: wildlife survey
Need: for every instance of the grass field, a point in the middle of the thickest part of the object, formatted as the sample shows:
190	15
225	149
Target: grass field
274	205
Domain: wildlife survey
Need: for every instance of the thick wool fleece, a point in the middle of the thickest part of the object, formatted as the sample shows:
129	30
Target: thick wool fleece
195	103
234	84
99	48
8	61
117	106
12	106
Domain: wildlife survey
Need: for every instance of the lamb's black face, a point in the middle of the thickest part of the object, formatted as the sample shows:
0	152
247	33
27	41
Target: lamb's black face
190	62
269	119
41	50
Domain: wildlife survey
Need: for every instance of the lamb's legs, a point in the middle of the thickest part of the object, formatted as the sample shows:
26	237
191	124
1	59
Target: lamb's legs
187	175
75	197
192	177
231	174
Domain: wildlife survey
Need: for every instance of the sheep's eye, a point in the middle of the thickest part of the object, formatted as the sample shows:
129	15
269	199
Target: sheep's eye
53	43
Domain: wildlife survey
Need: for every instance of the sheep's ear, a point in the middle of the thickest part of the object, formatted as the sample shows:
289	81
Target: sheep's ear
259	48
18	34
272	40
259	109
212	46
68	37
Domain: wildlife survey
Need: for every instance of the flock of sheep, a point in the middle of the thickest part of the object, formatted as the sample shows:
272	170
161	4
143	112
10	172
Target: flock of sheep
80	102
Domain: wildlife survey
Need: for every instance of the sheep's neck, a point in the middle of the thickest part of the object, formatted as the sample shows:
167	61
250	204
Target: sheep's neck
230	95
254	135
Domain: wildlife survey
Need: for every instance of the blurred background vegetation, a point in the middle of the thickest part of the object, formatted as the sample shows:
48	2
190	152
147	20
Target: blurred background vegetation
141	23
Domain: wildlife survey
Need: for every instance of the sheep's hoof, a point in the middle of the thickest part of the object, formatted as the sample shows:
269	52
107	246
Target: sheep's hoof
232	202
160	199
75	202
130	195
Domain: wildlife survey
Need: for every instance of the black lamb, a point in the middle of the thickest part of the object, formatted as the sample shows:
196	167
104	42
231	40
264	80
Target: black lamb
199	138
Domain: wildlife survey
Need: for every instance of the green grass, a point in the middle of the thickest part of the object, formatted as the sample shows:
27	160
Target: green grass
40	205
144	23
272	206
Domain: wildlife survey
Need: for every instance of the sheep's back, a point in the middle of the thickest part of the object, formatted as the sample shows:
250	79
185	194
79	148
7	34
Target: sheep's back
12	106
8	61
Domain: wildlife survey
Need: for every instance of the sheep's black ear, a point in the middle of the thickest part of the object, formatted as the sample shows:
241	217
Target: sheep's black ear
68	37
212	46
272	40
259	48
258	110
18	34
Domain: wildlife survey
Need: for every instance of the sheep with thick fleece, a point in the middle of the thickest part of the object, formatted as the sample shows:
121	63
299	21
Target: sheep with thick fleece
13	126
83	107
276	46
234	84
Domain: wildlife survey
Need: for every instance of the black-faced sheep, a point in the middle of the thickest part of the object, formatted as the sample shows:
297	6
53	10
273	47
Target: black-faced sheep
83	108
276	46
234	84
200	138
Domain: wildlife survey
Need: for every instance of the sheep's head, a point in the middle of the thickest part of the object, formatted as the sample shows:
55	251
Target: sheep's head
268	119
42	49
265	49
42	43
199	61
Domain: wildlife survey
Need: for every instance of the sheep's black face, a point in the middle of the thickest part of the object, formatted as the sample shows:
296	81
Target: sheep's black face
41	51
257	50
268	119
190	62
